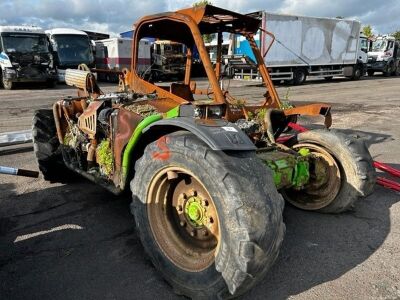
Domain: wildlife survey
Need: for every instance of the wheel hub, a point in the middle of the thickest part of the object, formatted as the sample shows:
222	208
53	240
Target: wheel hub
183	219
324	184
196	215
195	211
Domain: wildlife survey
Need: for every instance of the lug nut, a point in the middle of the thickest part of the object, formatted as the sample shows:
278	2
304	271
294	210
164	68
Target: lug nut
182	223
193	233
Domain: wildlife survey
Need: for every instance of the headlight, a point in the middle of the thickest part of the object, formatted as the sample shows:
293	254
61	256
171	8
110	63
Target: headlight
197	112
215	111
10	71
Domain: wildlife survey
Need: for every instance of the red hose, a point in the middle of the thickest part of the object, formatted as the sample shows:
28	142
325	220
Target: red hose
386	168
283	139
387	183
297	127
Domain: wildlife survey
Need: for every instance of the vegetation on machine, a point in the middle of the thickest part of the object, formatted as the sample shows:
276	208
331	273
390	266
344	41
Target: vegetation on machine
208	173
105	157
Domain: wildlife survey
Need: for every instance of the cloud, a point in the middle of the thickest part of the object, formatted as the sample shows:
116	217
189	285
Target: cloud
114	16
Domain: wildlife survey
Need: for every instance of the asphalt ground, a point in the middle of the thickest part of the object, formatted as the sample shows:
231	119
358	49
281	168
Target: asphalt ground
77	241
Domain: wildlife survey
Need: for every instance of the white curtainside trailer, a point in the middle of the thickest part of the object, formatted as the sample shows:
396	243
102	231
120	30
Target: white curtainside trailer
115	54
307	46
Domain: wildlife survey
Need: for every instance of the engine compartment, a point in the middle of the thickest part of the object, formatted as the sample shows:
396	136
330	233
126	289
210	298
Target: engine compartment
95	132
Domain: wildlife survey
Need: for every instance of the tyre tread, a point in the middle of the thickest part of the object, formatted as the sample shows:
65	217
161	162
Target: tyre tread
253	250
357	155
46	147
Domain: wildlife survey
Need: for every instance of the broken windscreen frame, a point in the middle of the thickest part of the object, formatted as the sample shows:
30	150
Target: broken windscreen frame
24	43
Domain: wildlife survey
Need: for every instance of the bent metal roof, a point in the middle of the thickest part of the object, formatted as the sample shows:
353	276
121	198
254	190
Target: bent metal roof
209	19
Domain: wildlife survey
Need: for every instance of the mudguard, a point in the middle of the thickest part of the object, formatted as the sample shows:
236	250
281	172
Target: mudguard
216	133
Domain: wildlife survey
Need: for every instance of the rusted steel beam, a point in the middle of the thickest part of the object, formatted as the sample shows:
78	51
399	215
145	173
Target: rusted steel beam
309	110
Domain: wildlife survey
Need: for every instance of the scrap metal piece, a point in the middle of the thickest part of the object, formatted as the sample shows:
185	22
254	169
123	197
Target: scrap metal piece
87	121
309	110
312	110
15	138
84	80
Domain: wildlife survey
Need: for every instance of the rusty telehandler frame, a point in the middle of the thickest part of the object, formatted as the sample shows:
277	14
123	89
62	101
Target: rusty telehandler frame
204	168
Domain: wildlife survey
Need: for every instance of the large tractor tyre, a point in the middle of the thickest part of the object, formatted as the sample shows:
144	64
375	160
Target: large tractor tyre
210	221
341	171
46	147
8	84
299	76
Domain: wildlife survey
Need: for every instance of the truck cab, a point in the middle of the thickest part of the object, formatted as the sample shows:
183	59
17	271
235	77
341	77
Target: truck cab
363	49
24	56
383	56
168	60
70	48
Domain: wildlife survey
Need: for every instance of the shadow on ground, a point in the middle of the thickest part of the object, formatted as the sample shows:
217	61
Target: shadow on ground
319	248
105	260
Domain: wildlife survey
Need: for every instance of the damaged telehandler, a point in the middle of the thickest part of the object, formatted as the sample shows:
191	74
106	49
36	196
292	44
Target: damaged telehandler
207	171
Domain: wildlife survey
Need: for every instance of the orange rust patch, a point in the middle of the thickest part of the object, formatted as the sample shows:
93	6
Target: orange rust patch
164	153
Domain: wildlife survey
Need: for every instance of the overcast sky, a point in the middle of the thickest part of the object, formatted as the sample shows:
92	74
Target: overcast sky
115	16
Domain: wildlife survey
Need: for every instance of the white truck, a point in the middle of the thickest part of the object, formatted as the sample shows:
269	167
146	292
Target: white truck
25	56
384	56
156	60
115	54
70	48
304	47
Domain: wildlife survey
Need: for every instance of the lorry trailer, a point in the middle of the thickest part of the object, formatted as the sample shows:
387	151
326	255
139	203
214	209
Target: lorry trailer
70	48
304	47
115	54
112	54
24	56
